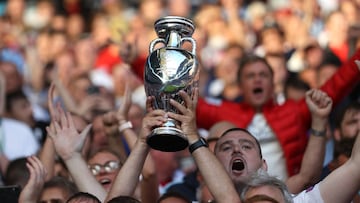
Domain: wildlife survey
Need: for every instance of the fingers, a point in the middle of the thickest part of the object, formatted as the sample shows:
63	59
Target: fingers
63	118
37	170
319	97
149	103
52	110
86	130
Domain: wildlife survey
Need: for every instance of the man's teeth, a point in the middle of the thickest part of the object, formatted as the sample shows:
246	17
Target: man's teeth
105	181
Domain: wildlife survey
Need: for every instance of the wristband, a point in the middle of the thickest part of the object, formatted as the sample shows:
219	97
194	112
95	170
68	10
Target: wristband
125	126
317	133
200	143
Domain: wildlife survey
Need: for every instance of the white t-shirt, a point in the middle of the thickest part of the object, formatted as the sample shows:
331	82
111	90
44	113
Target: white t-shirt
17	139
270	146
310	195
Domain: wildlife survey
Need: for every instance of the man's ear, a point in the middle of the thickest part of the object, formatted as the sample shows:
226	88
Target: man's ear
264	165
337	134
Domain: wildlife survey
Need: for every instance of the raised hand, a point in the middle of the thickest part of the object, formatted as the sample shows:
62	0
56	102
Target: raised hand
187	116
32	189
152	119
113	119
319	103
66	139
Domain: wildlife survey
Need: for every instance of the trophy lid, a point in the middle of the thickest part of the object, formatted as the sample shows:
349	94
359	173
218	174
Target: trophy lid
183	26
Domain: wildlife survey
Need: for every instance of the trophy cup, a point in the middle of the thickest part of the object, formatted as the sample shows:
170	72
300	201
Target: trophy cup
168	70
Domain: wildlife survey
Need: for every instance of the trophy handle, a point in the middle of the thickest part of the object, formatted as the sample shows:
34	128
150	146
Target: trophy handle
154	42
193	43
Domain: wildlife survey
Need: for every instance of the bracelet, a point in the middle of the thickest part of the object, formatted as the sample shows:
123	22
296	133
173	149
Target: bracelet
200	143
125	126
317	133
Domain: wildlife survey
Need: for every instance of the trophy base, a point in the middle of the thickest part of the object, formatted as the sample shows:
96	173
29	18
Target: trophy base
167	139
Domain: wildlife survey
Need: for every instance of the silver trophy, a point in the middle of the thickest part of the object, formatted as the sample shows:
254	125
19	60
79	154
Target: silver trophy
168	70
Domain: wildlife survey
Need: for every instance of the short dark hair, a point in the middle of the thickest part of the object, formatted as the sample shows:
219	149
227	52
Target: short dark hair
297	83
83	196
249	59
11	97
173	194
352	106
17	172
123	199
242	130
60	182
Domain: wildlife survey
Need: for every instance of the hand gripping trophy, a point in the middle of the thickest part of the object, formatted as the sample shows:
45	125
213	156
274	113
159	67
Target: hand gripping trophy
168	70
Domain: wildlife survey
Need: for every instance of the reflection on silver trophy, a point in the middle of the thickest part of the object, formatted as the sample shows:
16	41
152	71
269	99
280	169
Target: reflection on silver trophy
168	70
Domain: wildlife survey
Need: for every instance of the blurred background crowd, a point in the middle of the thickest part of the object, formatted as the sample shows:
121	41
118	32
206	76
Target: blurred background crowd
91	50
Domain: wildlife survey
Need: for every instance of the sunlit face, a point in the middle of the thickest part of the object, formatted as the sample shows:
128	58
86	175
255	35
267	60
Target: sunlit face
257	84
350	126
240	155
105	178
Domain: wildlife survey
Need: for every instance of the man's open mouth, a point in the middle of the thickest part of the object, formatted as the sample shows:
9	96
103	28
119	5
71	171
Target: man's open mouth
258	90
238	165
105	181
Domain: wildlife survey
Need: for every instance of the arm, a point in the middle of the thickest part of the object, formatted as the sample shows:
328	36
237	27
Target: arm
128	176
342	82
112	121
47	152
339	85
68	143
32	189
320	106
342	184
216	178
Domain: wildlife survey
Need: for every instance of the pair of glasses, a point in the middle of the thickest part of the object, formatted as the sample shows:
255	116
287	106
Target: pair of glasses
52	201
108	167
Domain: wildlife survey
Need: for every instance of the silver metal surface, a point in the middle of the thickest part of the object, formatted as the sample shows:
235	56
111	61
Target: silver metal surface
168	70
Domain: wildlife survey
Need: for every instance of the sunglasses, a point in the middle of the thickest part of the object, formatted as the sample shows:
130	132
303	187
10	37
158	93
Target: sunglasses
52	201
108	167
